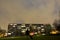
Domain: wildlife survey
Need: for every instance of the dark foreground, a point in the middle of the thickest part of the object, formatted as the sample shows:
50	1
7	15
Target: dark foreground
34	38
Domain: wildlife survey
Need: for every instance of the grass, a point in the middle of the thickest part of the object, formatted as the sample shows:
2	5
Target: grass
34	38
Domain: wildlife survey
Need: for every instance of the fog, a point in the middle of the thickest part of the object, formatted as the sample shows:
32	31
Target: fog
28	11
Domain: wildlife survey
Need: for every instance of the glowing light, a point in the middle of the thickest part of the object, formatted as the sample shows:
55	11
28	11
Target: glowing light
54	32
13	26
31	33
9	33
42	29
42	26
22	26
35	33
43	34
23	31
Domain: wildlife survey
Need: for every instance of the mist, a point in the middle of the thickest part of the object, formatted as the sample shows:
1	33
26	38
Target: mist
28	11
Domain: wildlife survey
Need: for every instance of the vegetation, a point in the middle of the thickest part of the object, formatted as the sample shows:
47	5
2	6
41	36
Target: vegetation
34	38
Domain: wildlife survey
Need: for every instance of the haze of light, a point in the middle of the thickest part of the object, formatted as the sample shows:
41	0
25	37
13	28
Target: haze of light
28	11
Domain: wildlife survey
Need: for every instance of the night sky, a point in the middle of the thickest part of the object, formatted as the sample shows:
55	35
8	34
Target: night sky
28	11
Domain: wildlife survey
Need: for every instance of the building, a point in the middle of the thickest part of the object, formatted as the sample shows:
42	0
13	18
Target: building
20	29
12	28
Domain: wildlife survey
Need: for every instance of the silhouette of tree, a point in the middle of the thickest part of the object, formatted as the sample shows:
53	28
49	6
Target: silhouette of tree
57	24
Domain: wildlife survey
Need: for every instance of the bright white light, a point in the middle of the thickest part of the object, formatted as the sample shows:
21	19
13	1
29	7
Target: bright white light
5	34
35	33
22	26
42	26
42	29
9	33
23	31
13	26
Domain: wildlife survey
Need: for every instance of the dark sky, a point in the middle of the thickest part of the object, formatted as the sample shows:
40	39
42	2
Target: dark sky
28	11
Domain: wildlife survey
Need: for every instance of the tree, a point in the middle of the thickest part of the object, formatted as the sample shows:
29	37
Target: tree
57	24
48	29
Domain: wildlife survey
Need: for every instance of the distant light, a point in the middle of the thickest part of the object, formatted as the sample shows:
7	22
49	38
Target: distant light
42	26
9	33
14	26
42	29
38	27
5	34
23	31
22	26
43	34
35	33
39	32
54	32
32	33
11	24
